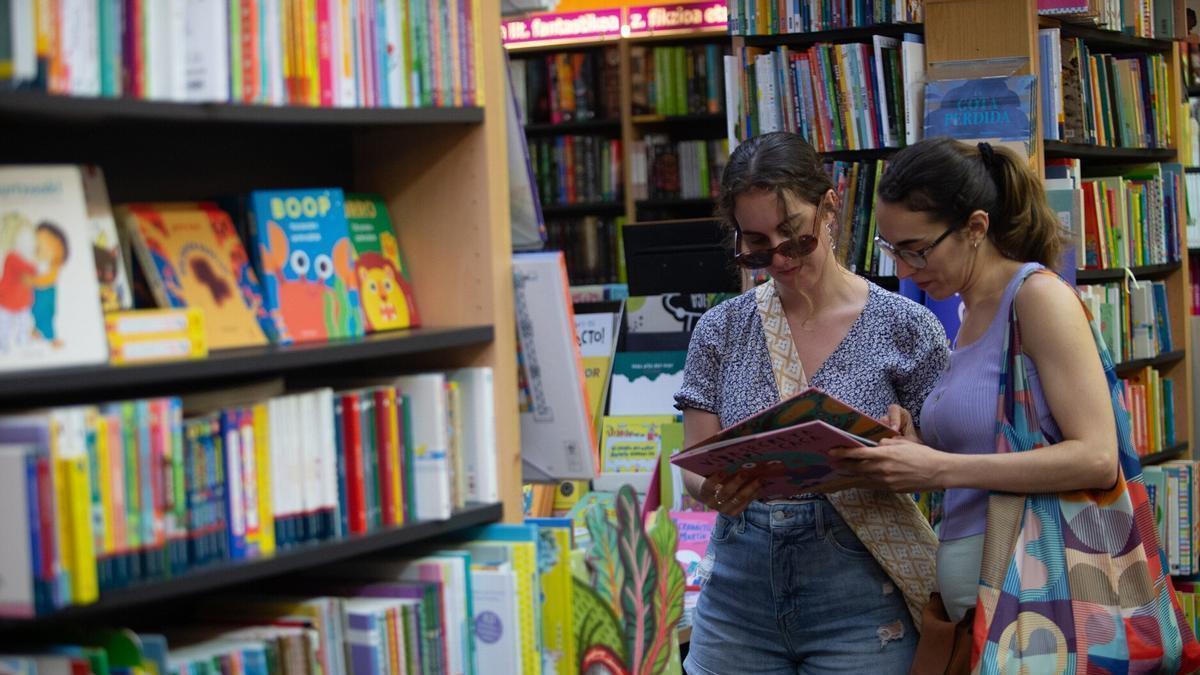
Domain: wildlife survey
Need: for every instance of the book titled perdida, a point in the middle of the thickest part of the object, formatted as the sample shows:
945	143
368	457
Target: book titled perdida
994	109
786	447
304	258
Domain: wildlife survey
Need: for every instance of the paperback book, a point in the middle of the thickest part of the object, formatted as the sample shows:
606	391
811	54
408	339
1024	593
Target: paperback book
786	447
50	312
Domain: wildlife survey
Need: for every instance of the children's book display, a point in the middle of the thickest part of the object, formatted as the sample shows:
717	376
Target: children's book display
628	609
50	312
279	266
787	445
303	255
191	256
558	439
386	291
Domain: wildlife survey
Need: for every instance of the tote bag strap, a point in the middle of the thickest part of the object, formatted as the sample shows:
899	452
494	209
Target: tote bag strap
890	525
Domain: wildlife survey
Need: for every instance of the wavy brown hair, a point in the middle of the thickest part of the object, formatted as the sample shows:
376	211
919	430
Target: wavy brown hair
779	162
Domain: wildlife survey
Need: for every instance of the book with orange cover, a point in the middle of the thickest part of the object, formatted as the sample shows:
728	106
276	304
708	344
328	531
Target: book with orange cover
192	257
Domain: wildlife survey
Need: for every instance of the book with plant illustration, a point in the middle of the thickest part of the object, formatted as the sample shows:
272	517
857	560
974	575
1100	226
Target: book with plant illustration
627	611
787	445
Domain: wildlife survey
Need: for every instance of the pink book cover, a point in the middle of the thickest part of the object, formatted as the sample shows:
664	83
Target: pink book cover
788	461
694	528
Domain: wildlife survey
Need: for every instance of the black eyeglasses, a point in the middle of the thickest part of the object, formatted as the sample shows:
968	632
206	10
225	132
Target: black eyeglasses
914	259
796	247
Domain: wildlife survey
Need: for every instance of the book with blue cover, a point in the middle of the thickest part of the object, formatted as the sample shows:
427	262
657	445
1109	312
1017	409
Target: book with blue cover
998	110
306	264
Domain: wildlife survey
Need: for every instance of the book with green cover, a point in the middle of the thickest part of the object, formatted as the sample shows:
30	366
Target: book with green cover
385	287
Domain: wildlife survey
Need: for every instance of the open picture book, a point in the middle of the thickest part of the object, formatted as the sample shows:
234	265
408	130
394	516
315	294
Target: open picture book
787	445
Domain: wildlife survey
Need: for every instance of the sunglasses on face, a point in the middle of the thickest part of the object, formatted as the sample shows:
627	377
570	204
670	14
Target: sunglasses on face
914	259
793	247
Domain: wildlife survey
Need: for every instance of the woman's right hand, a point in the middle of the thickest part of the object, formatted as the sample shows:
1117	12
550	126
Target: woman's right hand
729	493
901	421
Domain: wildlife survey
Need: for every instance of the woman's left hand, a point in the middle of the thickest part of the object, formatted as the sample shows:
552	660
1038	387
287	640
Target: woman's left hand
896	464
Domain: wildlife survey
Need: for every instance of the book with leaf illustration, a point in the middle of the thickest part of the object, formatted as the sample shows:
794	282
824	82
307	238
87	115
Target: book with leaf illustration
787	445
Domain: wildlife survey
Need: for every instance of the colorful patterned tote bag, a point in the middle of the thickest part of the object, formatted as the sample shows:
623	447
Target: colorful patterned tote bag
1073	582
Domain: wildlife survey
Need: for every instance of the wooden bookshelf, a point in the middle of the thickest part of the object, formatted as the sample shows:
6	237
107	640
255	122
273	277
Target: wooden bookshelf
1164	359
1111	40
1104	154
583	209
223	575
700	202
606	127
680	120
80	384
78	109
1179	451
952	34
857	34
437	171
630	128
1143	273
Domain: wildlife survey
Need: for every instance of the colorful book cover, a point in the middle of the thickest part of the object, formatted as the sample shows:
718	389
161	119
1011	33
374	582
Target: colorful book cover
644	383
554	571
634	443
191	255
694	528
497	638
50	312
596	331
557	438
809	405
665	322
306	262
387	295
998	110
115	290
787	462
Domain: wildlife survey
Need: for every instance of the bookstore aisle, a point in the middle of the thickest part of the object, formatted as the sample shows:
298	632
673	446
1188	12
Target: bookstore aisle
257	358
278	396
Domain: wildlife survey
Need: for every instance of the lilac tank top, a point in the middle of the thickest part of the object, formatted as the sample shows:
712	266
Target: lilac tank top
959	415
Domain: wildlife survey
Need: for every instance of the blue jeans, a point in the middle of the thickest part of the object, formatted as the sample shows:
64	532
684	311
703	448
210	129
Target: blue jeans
791	589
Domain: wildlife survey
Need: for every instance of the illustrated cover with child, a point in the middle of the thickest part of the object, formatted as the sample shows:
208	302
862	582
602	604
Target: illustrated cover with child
305	260
387	294
50	311
787	445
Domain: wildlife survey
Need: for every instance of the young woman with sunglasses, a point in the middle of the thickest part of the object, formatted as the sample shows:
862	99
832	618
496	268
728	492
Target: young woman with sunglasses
973	220
789	586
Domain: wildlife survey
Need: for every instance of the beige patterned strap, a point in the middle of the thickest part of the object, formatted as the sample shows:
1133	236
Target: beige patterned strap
790	377
890	525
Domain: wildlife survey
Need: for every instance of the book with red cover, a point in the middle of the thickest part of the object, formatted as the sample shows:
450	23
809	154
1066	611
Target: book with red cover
355	495
787	445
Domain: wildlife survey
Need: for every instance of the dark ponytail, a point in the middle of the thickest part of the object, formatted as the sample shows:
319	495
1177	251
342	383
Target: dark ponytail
950	180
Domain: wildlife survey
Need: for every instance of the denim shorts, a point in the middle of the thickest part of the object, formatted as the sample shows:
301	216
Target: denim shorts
789	588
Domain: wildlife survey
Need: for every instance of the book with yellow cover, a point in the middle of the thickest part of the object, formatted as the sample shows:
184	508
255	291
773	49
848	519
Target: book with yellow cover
633	444
554	570
192	257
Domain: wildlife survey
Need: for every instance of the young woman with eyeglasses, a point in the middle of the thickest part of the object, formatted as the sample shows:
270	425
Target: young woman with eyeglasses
973	220
789	586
